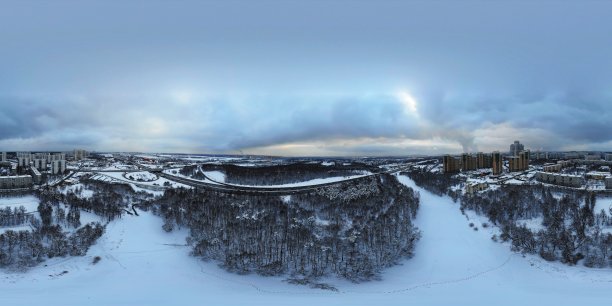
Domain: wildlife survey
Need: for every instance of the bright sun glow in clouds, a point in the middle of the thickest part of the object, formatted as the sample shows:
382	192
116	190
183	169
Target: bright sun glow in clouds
409	102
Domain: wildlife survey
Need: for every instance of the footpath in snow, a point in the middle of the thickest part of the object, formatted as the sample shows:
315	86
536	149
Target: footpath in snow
453	265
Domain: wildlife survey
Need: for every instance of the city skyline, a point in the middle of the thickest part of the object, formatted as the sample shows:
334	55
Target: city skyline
305	79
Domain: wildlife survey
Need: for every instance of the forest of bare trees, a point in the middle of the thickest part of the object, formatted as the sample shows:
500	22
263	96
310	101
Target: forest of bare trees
56	228
352	230
436	183
278	174
572	229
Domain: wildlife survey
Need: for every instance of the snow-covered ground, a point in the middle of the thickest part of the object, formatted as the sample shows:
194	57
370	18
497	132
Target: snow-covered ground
217	176
514	182
603	203
118	176
16	228
141	176
155	188
534	224
79	189
30	202
178	173
453	265
120	167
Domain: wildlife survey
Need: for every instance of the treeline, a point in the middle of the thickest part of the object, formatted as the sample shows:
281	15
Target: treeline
571	228
47	238
109	200
352	230
283	174
14	216
436	183
192	171
22	249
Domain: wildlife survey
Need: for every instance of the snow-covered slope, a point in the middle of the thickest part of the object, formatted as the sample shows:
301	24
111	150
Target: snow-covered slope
453	265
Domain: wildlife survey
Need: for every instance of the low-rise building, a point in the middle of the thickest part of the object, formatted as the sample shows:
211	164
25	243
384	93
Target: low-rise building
552	167
471	188
36	176
15	182
571	180
597	175
560	179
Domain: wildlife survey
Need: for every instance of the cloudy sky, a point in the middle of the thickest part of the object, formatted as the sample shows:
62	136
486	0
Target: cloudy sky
305	77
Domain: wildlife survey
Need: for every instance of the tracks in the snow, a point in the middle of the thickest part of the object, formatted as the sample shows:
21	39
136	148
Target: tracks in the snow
395	291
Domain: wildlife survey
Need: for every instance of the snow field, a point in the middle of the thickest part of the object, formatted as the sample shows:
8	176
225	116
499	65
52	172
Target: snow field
84	193
30	202
217	176
141	177
453	265
118	177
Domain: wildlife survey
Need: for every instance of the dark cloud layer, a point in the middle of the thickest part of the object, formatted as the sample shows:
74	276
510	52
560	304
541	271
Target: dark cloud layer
316	78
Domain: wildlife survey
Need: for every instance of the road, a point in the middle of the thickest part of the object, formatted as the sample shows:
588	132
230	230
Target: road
223	187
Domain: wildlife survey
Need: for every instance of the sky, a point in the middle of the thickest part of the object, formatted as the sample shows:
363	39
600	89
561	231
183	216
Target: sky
312	78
